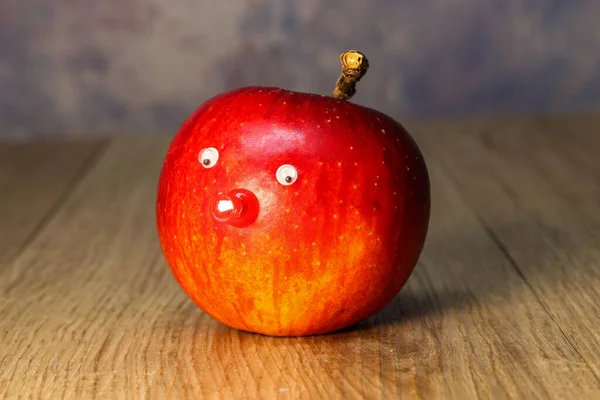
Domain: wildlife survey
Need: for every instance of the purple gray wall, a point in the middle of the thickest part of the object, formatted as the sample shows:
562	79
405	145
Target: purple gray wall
116	66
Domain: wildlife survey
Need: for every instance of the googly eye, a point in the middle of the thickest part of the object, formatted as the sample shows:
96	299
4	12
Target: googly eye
208	157
286	174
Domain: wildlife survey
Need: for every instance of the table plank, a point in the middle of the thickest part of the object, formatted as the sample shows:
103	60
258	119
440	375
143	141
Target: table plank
575	139
34	177
91	275
535	186
90	310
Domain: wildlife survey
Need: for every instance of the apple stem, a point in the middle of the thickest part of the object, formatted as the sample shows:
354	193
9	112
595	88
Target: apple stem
354	66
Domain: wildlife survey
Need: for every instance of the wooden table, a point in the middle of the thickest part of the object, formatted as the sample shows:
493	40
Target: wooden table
505	302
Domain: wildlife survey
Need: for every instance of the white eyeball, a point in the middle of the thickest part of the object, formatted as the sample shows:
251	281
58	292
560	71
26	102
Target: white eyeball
286	174
208	157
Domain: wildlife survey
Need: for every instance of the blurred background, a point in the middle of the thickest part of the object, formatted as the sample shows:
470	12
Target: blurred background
86	67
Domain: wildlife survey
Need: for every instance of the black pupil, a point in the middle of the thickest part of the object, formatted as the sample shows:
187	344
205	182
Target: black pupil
288	178
206	161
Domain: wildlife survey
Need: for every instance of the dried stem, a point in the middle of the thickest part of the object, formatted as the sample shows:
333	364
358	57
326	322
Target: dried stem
354	67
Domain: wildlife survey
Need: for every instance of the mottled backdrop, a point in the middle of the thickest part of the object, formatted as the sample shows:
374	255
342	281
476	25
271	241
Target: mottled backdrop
116	66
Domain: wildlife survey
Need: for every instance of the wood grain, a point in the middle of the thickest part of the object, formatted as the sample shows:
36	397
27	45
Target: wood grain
33	179
534	184
501	305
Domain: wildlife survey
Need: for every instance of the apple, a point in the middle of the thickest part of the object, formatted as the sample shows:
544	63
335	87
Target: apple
291	214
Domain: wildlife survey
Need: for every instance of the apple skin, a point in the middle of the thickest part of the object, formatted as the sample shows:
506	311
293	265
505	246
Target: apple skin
319	255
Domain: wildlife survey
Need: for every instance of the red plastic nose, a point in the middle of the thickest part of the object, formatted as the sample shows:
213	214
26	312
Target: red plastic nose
238	207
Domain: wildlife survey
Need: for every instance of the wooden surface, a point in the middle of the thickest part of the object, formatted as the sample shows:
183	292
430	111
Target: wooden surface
505	301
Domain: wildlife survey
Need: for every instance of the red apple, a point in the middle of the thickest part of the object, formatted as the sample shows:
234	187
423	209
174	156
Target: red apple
290	214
